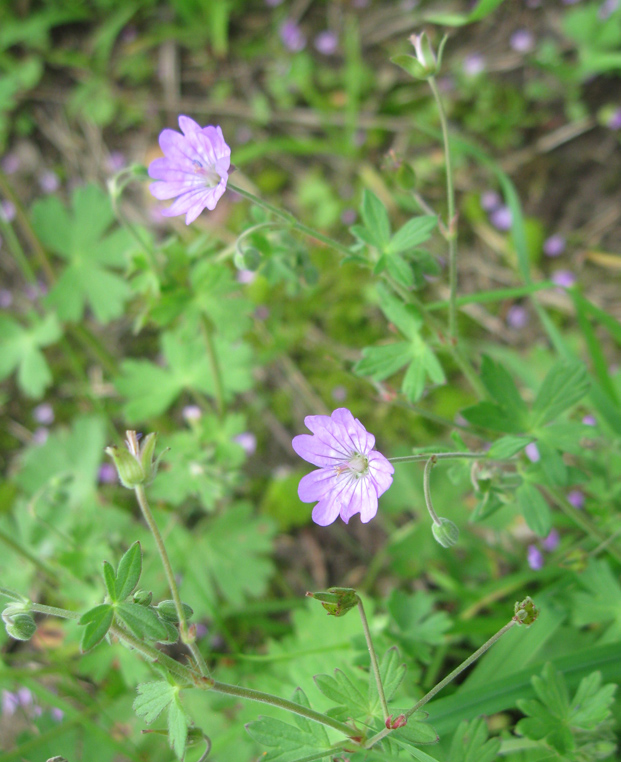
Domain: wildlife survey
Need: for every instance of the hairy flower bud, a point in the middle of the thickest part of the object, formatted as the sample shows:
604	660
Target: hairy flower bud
19	623
337	601
143	597
525	611
168	611
425	63
136	465
446	532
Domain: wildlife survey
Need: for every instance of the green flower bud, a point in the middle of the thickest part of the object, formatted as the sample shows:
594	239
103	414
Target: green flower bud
425	63
337	601
20	626
143	597
446	532
168	612
137	464
172	633
525	611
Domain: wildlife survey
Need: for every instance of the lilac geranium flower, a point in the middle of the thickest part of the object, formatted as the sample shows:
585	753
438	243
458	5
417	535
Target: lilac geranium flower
195	169
535	558
351	474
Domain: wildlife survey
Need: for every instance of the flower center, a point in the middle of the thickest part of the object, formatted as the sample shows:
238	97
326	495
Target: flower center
212	178
358	464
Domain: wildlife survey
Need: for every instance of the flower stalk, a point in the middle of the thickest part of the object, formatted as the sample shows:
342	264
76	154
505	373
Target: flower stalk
374	662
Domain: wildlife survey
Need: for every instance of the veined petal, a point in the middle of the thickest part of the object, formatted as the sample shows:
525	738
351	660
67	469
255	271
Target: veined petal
316	452
185	202
164	190
317	484
188	125
353	431
327	510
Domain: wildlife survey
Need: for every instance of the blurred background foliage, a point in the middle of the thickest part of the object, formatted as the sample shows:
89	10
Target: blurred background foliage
104	326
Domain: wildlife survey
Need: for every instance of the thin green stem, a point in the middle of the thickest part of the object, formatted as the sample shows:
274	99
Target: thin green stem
25	553
54	611
452	219
214	364
373	655
449	678
290	706
17	250
427	490
291	220
437	456
172	584
8	593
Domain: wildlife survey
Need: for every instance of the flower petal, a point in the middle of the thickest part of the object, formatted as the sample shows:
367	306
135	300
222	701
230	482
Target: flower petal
380	471
317	484
312	449
327	510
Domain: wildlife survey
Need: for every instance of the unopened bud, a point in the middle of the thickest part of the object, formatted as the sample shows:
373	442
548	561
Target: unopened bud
19	624
446	532
425	63
168	611
525	611
337	601
399	722
172	633
136	465
143	597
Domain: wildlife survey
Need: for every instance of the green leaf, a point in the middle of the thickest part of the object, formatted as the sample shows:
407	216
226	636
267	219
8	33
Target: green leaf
110	580
535	509
93	255
490	416
392	672
480	11
142	621
418	626
410	65
412	234
415	733
344	692
288	743
383	361
375	218
565	384
20	349
599	602
502	388
97	622
505	447
404	316
177	727
400	270
152	699
470	743
552	465
128	572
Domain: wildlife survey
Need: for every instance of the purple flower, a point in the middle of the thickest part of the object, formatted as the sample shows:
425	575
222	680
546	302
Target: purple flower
195	169
192	413
351	474
473	65
10	703
339	393
501	218
245	276
534	557
522	41
107	474
532	452
57	714
349	216
40	435
48	181
550	543
576	498
554	246
589	420
614	120
7	211
292	37
6	297
517	317
10	163
563	278
326	42
490	201
44	414
607	8
247	441
115	162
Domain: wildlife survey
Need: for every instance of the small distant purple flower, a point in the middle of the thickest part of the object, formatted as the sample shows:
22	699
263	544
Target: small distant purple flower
116	162
570	2
490	200
10	703
40	435
192	413
589	420
10	163
273	3
534	557
607	8
614	120
48	181
292	37
7	211
473	65
563	278
246	276
551	542
44	414
576	498
501	218
522	41
351	475
349	216
243	134
554	246
247	441
34	291
107	474
532	452
262	312
6	297
57	714
201	630
326	42
517	317
339	393
195	169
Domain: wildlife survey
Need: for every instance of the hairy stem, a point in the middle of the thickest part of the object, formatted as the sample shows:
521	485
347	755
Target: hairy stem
214	364
449	678
437	456
373	655
427	489
172	584
452	219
